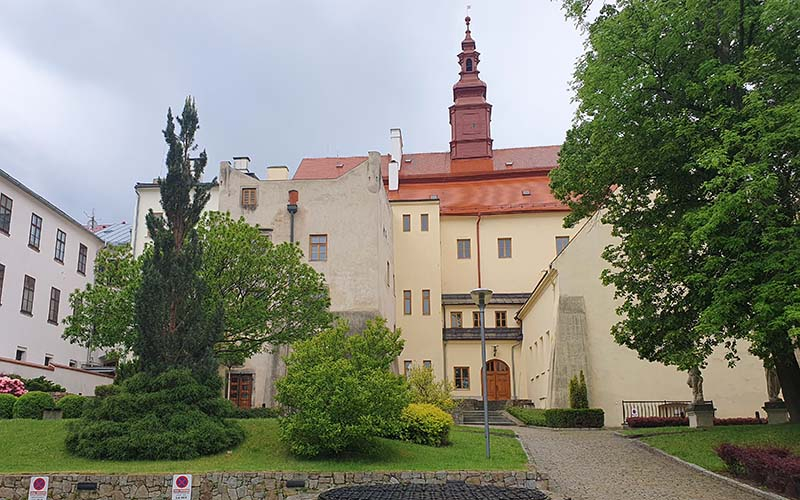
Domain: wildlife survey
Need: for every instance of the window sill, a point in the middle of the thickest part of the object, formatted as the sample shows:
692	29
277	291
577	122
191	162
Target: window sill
36	249
5	233
82	273
52	322
59	261
26	313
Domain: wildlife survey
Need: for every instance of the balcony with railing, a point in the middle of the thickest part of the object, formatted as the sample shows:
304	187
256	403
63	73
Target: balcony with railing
498	333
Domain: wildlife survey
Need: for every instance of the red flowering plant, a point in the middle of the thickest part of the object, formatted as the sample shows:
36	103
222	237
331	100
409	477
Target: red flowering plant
12	386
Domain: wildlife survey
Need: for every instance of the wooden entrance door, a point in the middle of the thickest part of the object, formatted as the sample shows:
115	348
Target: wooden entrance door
241	389
498	380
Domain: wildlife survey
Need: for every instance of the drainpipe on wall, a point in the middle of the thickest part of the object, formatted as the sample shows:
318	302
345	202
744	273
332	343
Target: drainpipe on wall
514	372
292	209
478	246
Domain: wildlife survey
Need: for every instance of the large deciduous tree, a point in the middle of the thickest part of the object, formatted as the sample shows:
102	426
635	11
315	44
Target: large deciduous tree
687	136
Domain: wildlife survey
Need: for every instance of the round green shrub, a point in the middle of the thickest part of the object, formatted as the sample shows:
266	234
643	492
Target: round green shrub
425	423
71	406
32	404
170	416
7	405
102	391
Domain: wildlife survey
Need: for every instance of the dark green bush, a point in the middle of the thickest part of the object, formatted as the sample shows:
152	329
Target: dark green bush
32	404
7	405
102	391
167	416
254	412
41	384
425	423
574	417
71	406
578	392
529	416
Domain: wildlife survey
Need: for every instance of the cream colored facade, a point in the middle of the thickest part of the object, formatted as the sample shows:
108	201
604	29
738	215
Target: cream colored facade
567	324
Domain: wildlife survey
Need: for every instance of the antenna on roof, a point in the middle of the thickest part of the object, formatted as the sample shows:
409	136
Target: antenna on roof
92	220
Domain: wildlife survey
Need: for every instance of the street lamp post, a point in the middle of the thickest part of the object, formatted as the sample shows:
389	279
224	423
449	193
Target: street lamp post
481	297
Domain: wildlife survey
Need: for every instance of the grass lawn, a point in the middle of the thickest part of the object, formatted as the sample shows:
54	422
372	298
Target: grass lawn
697	445
33	446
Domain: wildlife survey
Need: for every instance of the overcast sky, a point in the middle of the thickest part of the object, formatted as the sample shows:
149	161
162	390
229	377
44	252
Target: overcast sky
85	85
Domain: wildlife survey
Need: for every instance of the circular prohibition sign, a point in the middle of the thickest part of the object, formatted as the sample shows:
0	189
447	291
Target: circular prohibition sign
181	481
38	484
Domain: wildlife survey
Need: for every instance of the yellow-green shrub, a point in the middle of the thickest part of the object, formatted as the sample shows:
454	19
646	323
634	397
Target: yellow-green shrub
425	424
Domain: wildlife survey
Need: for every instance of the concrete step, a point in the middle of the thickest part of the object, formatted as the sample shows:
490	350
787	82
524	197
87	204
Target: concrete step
473	417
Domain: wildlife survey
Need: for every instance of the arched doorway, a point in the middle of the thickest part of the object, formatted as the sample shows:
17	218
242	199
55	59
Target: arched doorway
498	380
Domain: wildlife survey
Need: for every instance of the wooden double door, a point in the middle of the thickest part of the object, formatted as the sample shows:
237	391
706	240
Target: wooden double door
498	380
240	391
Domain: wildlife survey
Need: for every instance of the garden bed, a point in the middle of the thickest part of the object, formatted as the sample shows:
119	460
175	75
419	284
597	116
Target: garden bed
34	446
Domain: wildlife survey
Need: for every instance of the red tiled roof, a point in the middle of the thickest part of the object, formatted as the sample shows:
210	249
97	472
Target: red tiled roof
462	186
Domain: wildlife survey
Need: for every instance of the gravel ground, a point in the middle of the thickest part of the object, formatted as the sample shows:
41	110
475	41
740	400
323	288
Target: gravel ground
595	465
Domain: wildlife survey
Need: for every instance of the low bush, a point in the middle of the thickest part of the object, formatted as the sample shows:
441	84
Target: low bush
7	405
424	423
776	468
425	389
739	421
71	405
529	416
254	413
41	384
32	404
102	391
574	417
641	422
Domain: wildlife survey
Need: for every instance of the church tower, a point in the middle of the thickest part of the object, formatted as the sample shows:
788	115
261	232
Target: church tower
470	115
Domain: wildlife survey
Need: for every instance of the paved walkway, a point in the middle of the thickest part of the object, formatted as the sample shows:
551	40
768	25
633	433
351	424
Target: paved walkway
594	465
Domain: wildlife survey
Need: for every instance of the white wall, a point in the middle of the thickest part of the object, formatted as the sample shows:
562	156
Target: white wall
74	380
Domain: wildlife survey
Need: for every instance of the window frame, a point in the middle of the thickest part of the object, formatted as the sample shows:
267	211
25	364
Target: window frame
407	299
426	302
20	354
61	246
407	366
5	213
476	319
52	311
460	316
83	258
461	375
427	363
559	239
249	197
501	248
35	233
28	295
467	254
498	316
2	280
406	223
321	248
424	222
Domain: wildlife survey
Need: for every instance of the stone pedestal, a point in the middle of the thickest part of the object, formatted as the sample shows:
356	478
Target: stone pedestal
776	412
52	414
701	415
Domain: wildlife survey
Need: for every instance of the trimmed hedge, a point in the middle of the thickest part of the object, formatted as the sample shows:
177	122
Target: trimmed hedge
32	404
71	406
740	421
425	423
529	416
776	468
574	417
7	405
255	413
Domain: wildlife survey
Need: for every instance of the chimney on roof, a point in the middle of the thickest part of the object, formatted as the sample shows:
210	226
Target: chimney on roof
277	173
241	163
396	137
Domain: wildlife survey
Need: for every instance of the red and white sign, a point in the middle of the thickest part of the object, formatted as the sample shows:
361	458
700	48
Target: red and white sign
38	488
182	487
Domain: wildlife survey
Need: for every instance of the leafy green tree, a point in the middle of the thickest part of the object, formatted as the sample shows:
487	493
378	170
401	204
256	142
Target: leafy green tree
268	294
578	392
339	390
687	137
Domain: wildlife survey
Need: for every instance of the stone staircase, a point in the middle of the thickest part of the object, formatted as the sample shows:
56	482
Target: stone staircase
496	418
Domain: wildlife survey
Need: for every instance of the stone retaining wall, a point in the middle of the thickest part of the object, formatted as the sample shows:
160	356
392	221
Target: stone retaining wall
248	485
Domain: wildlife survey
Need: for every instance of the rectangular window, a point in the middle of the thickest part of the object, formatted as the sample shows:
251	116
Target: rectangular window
28	288
426	302
406	302
2	278
73	363
464	250
55	300
249	198
500	319
319	247
20	354
561	243
504	248
5	213
461	379
47	359
406	223
456	320
476	319
427	364
423	222
82	251
61	244
35	236
407	367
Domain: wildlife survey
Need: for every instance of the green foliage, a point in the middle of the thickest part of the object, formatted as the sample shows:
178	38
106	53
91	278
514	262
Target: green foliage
254	412
339	392
32	404
578	393
424	423
156	417
71	405
41	384
529	416
425	389
574	417
7	405
689	110
102	391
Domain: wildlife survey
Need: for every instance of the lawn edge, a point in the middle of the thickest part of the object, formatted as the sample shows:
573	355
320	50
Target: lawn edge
733	482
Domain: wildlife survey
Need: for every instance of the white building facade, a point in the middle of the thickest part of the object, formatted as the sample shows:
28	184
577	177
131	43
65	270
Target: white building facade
44	256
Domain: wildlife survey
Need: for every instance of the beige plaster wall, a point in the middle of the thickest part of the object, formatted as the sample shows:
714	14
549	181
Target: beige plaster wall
468	353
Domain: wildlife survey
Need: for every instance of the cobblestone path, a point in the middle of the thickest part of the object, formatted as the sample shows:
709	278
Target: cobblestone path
594	465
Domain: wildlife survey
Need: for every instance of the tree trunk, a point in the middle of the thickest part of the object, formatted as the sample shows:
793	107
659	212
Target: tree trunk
789	374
